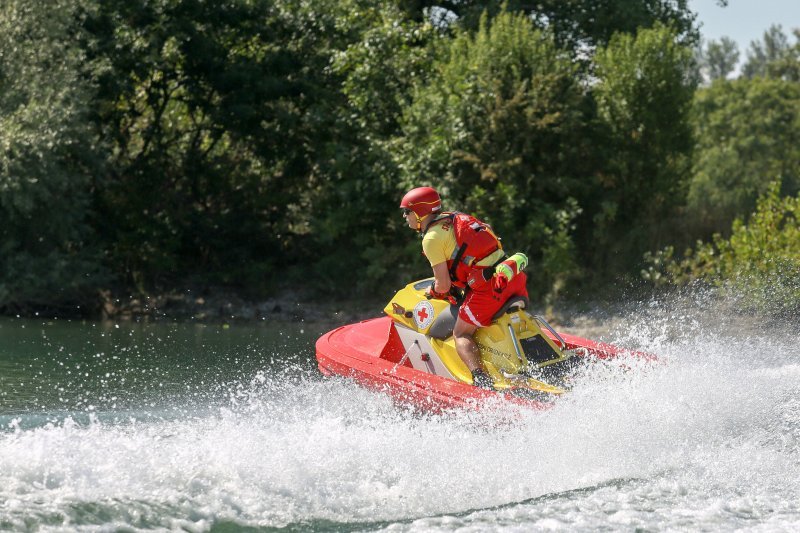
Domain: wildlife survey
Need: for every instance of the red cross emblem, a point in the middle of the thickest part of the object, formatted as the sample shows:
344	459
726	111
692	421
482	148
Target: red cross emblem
423	314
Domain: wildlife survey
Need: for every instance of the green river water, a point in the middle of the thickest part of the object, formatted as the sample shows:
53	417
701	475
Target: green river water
53	367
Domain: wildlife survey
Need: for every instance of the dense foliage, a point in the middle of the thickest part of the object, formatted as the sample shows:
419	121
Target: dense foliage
742	203
758	265
748	135
497	128
151	145
643	98
50	256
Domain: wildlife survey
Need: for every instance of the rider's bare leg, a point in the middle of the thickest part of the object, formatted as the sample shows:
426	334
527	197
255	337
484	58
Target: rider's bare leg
466	347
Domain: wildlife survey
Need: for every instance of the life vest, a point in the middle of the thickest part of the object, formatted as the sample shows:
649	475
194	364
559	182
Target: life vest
475	241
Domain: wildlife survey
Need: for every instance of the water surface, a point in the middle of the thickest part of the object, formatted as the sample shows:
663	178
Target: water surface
200	427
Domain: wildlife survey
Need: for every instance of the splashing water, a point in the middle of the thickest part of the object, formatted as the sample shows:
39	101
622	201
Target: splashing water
708	438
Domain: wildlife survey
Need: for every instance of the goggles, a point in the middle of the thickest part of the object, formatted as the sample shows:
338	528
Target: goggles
406	212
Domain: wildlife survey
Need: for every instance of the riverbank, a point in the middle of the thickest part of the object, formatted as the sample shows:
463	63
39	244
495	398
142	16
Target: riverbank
228	306
221	306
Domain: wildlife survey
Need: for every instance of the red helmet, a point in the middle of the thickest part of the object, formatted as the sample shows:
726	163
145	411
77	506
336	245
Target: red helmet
422	201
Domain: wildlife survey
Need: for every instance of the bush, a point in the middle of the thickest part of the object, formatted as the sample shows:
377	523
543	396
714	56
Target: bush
47	159
759	264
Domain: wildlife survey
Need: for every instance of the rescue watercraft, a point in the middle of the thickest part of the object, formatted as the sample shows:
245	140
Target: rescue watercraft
410	353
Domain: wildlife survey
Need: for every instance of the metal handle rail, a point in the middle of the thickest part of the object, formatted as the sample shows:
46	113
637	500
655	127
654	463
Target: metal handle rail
516	343
405	356
540	319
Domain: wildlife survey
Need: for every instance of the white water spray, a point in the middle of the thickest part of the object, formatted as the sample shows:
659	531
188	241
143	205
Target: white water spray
709	437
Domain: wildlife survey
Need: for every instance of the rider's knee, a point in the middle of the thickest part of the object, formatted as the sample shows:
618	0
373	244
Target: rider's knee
460	333
463	329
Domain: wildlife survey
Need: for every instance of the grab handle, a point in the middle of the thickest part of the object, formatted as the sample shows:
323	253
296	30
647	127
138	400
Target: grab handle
540	319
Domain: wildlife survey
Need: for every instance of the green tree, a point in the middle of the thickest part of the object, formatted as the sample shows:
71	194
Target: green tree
47	257
247	137
193	97
719	59
747	136
379	69
375	72
787	67
497	130
643	92
764	55
573	23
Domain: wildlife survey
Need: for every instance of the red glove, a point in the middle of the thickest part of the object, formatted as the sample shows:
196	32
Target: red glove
499	282
431	293
506	270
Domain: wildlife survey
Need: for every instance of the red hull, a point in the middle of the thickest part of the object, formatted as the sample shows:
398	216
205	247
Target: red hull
369	352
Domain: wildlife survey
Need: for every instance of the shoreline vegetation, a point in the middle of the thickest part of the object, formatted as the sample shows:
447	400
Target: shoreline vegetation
249	147
222	306
599	319
219	306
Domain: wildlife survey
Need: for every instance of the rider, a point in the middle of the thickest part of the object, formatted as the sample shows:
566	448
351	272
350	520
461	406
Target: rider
465	253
